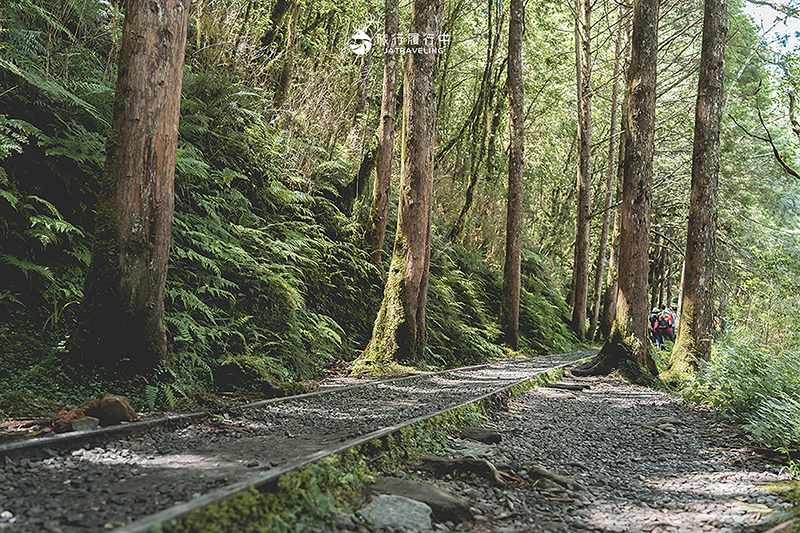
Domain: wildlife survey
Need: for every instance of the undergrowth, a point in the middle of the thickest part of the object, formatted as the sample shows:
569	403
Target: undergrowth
753	385
268	260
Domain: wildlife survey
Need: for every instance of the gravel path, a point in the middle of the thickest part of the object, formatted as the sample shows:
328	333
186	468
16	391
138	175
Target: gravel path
109	483
647	462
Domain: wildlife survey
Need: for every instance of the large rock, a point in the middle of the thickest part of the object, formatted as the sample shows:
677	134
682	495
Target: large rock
444	505
397	511
110	410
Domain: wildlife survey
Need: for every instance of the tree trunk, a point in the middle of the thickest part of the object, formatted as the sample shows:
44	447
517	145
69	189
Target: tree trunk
583	53
480	124
693	343
509	307
628	346
384	155
612	148
121	321
612	279
283	84
399	331
355	137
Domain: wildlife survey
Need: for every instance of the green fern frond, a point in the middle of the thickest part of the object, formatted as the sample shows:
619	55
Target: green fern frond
42	81
28	267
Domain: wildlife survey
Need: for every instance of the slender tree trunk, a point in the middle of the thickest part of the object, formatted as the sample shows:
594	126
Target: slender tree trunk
121	321
355	137
399	331
628	346
479	129
509	306
583	53
612	149
695	333
612	280
385	152
283	84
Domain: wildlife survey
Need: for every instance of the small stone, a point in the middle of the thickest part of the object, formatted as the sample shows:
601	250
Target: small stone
85	424
5	515
397	511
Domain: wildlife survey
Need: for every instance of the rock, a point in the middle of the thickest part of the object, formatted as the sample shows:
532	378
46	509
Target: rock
64	419
110	410
86	423
480	435
397	511
444	505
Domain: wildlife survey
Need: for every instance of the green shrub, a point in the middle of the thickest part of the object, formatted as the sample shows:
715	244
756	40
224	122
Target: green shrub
751	384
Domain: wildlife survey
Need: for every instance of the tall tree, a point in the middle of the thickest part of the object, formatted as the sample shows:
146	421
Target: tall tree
385	152
696	327
612	148
509	306
121	321
612	278
628	346
583	68
399	332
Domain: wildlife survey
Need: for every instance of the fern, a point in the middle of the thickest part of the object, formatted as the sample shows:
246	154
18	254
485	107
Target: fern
39	79
28	267
151	395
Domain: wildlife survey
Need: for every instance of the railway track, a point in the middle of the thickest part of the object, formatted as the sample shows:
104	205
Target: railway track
134	477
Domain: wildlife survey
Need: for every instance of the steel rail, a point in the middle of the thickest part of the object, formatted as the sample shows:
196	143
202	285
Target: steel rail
75	438
257	481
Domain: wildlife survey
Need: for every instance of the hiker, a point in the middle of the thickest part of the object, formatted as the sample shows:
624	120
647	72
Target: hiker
655	338
664	327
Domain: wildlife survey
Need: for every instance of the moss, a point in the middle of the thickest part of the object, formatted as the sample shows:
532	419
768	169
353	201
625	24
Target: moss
788	491
379	368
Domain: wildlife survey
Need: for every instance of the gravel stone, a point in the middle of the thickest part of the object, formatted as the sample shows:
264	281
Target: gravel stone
700	475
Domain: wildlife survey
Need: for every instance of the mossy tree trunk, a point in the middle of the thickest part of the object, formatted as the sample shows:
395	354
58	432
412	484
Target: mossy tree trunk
399	331
696	326
385	152
628	347
509	307
121	321
583	68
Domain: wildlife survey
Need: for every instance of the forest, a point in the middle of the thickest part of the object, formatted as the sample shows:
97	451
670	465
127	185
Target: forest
302	132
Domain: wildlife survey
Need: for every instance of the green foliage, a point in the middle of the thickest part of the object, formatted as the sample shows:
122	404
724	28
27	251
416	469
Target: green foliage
752	385
295	503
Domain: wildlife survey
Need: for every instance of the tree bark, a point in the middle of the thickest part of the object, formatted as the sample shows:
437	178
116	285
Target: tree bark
121	321
628	346
612	279
385	153
696	328
612	148
583	53
509	306
399	331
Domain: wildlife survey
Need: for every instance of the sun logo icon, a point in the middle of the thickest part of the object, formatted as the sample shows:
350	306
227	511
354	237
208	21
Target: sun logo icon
360	43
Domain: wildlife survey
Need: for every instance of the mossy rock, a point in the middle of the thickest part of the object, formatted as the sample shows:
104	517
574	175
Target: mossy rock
245	373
